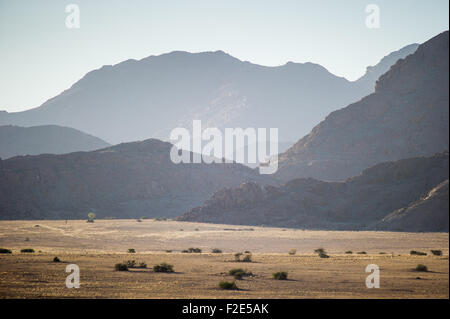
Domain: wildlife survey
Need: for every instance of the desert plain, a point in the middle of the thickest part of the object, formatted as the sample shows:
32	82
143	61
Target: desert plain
96	247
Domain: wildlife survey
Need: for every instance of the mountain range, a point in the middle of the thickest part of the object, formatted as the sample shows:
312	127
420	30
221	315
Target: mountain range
126	180
148	98
383	197
406	116
50	139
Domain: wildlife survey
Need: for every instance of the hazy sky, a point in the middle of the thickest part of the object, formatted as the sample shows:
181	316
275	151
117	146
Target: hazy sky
40	57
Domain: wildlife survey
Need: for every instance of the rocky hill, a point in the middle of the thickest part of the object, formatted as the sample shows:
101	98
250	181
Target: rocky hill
407	116
46	139
127	180
429	213
358	203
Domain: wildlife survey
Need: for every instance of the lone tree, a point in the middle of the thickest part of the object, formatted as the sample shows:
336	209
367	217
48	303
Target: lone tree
91	217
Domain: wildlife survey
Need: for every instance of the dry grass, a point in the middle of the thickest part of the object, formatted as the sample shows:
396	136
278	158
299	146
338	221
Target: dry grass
97	247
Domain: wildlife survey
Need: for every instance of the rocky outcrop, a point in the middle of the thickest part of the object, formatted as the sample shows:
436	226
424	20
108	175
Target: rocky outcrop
429	213
407	116
127	180
358	203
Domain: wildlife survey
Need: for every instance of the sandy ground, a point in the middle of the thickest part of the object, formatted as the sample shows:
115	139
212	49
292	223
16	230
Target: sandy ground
96	247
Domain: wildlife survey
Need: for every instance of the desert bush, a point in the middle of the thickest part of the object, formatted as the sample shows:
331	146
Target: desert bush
349	252
131	250
247	258
130	263
216	251
56	260
319	250
238	273
418	253
281	275
121	267
323	255
139	220
436	252
228	285
5	251
36	225
247	252
163	267
91	217
237	256
293	251
27	239
27	250
194	250
168	251
361	253
142	265
185	251
421	267
382	253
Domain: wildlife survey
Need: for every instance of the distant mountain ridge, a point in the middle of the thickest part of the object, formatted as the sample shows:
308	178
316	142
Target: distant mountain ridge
361	202
128	180
150	97
406	116
46	139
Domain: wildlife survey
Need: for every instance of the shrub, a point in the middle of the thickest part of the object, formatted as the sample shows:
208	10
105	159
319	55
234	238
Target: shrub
139	220
228	285
121	267
185	251
168	251
163	267
247	252
237	256
216	251
319	251
27	239
436	252
131	250
293	251
91	217
418	253
238	273
421	267
27	250
323	255
382	253
247	258
349	252
56	260
361	253
194	250
5	251
142	265
130	263
36	225
281	275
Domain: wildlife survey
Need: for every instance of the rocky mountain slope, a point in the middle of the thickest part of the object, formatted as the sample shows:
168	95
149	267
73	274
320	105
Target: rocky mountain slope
47	139
137	100
429	213
407	116
127	180
358	203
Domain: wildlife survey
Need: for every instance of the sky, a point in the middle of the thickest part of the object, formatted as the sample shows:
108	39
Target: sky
40	57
